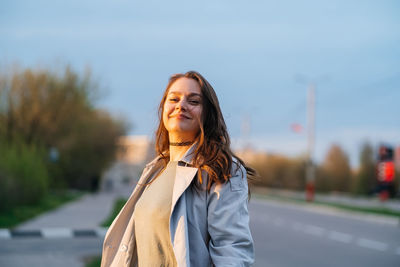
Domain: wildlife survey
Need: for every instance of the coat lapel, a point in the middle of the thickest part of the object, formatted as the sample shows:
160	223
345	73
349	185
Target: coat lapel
183	178
119	224
184	175
121	230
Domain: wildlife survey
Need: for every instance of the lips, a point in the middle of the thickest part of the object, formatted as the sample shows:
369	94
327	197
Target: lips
180	116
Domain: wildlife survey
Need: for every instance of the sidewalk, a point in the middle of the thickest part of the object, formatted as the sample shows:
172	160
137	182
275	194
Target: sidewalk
88	212
85	213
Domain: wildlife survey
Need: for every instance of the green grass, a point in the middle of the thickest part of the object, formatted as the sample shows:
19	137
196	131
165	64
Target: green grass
119	203
370	210
93	261
12	217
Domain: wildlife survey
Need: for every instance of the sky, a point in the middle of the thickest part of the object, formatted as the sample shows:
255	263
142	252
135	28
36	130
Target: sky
260	57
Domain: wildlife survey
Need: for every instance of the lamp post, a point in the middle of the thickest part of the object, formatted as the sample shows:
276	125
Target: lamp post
310	169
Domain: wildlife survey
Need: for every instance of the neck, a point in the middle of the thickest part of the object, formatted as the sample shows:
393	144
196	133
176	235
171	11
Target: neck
177	152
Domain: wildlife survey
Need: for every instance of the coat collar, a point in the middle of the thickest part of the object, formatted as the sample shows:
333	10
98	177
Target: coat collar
187	158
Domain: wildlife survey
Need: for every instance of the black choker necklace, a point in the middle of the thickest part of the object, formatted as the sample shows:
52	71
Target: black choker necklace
188	143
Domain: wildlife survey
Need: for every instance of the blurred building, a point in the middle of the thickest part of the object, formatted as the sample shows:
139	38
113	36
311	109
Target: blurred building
133	153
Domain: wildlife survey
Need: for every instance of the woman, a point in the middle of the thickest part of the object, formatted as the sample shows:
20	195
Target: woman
190	205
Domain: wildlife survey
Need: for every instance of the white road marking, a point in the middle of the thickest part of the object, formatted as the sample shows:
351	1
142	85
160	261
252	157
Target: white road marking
372	244
56	232
341	237
314	230
5	234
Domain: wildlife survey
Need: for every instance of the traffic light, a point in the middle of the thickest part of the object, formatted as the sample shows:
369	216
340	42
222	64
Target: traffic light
385	172
385	153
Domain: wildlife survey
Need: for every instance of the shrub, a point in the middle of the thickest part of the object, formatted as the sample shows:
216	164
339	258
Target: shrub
23	175
57	110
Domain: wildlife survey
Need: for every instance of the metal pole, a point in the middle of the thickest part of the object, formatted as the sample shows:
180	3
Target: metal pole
310	170
245	130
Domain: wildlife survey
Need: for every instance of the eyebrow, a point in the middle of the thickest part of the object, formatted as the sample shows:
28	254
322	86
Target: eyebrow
191	94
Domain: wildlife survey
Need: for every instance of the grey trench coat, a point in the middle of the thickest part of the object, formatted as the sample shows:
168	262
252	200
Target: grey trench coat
206	228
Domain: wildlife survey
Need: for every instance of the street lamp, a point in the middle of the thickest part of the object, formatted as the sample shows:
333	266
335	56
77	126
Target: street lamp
310	168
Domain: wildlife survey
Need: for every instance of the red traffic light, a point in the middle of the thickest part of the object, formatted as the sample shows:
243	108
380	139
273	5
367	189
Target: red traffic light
386	171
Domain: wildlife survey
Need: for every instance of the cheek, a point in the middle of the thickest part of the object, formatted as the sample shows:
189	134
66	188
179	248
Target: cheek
165	115
164	120
198	115
199	112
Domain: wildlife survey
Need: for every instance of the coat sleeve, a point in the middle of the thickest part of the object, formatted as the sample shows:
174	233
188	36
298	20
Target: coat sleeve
231	243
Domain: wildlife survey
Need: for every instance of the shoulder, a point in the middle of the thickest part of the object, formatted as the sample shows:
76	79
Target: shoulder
231	195
238	180
153	162
237	169
236	183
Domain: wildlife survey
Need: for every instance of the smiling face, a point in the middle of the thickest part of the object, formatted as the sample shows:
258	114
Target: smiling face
182	110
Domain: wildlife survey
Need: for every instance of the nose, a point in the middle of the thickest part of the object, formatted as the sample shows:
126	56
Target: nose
181	105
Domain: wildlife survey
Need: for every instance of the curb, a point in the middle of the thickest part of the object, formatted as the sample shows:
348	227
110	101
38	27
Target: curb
49	233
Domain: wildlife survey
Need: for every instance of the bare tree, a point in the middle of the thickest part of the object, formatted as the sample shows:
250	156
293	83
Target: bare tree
366	180
335	173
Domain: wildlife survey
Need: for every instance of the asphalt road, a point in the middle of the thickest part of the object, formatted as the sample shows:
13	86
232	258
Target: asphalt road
284	235
55	252
292	235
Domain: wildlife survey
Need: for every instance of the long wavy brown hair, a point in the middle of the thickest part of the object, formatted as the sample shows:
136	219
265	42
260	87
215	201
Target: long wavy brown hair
213	153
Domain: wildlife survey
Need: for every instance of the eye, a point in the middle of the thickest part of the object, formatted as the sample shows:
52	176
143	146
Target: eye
173	99
194	102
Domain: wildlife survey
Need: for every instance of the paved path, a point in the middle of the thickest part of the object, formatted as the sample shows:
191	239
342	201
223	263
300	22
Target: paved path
85	213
